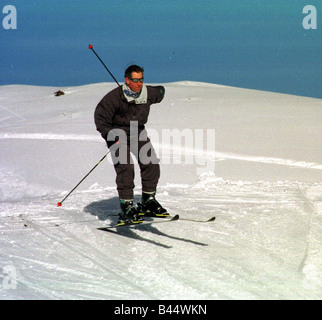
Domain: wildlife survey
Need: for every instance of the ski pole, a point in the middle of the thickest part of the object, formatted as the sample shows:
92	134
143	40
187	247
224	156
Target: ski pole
60	203
91	48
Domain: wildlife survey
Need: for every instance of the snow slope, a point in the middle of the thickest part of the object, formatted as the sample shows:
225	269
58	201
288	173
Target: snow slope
262	181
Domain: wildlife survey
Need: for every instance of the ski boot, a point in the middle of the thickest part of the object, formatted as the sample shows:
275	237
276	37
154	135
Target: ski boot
150	207
129	214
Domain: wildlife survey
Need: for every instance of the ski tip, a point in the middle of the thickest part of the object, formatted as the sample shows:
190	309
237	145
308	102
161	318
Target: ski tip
58	204
90	46
176	217
212	219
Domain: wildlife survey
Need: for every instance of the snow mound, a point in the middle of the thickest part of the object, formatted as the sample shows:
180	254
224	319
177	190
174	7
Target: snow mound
262	182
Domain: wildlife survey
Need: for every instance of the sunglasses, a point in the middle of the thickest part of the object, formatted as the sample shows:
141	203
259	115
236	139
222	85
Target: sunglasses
137	80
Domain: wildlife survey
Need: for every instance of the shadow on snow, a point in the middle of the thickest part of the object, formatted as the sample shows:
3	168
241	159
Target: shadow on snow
108	210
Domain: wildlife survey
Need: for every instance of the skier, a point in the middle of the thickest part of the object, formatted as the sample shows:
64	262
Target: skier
120	118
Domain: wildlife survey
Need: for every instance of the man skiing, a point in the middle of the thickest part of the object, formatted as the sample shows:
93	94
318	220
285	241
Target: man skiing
120	118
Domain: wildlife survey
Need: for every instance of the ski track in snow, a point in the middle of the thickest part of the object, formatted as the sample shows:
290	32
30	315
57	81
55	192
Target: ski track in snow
174	149
49	136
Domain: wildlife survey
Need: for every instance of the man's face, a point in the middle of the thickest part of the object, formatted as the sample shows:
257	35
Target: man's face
135	86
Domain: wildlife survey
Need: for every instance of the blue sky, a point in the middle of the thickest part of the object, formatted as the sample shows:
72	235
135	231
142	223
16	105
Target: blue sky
250	43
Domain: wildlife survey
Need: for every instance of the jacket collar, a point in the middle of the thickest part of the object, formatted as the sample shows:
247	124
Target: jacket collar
141	99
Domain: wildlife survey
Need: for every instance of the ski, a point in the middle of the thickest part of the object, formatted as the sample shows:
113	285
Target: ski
199	220
169	216
161	215
186	219
139	223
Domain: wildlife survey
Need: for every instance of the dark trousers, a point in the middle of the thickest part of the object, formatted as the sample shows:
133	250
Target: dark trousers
124	166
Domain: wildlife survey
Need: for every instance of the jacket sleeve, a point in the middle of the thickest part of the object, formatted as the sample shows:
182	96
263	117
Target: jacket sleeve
103	117
156	94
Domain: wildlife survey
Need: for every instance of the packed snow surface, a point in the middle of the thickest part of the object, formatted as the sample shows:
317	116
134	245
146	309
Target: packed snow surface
252	159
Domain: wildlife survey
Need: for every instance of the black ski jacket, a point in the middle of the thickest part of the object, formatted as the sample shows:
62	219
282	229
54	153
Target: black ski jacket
114	110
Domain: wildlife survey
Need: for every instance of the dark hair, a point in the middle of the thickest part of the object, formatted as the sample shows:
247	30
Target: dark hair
132	68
